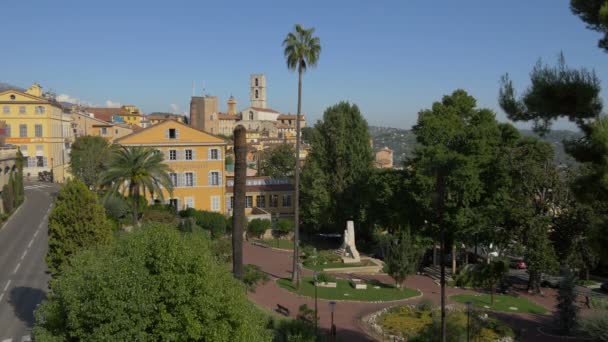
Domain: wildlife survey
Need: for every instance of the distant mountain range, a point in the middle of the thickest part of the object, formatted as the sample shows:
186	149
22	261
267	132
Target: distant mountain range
403	141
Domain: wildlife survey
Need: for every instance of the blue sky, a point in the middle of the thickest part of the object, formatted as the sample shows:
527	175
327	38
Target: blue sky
392	58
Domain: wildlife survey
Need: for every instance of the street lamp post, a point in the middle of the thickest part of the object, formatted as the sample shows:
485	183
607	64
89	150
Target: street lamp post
332	308
469	304
316	315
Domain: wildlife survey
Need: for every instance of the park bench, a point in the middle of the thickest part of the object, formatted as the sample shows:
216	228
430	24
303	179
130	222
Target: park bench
282	310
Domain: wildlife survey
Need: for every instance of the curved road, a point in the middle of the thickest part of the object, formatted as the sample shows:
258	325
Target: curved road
23	276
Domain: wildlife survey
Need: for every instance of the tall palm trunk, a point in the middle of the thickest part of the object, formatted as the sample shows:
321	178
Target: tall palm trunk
238	215
440	191
135	192
295	276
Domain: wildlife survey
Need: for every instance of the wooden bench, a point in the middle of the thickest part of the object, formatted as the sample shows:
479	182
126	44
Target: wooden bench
282	310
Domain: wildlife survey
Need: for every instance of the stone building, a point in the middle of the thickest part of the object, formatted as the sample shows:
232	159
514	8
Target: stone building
384	158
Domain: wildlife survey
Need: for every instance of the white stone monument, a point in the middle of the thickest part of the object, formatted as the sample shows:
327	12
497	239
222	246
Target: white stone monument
348	250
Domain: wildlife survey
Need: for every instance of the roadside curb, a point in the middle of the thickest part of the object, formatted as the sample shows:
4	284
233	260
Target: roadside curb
13	214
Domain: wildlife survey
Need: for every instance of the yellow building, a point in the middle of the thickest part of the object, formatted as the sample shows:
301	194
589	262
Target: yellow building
40	129
263	194
131	115
196	159
155	118
85	124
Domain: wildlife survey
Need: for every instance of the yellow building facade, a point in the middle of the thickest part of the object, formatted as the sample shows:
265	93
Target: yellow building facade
196	159
40	129
85	124
131	115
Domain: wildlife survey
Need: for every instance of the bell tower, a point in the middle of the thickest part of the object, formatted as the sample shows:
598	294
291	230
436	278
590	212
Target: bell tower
258	90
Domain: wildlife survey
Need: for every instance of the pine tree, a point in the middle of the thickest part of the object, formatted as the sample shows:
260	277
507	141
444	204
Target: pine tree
77	221
567	310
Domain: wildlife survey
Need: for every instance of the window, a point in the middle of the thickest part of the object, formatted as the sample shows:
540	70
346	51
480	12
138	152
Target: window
231	204
256	82
39	110
250	116
188	154
215	203
173	177
104	130
8	131
214	154
23	131
39	161
6	109
21	109
274	201
260	201
189	202
39	147
215	178
189	179
256	93
172	154
286	201
13	97
249	202
116	131
174	202
38	131
172	133
31	162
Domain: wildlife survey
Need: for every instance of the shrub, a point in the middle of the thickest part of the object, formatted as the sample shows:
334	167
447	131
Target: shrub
160	216
154	284
258	227
283	227
323	277
425	305
188	225
253	276
595	325
306	314
213	222
222	250
8	198
76	222
287	330
116	207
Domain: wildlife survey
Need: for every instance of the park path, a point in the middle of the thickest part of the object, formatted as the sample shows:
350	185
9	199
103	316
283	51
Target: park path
277	264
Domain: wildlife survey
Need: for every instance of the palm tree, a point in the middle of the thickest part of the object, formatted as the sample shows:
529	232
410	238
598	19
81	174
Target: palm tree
137	170
302	50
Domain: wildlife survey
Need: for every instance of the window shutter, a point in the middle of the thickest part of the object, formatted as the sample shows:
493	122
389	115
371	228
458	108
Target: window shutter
208	154
167	134
176	133
193	154
179	204
180	179
179	155
45	162
219	178
194	178
219	154
210	178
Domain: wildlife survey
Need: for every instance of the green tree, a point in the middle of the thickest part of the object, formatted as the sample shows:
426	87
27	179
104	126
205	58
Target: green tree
535	197
341	158
457	145
253	276
555	92
403	256
88	159
595	14
156	284
76	222
301	50
135	170
567	311
215	223
278	162
491	275
283	227
257	227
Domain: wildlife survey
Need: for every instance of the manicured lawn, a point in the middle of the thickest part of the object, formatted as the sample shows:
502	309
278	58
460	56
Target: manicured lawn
345	291
277	243
339	265
502	303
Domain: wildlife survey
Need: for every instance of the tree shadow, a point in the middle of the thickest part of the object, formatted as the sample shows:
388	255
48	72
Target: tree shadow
24	301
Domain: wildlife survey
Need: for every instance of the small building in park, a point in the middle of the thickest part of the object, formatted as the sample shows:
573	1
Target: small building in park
196	159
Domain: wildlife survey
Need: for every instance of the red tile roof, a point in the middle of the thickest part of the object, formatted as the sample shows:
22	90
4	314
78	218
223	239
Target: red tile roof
223	116
106	114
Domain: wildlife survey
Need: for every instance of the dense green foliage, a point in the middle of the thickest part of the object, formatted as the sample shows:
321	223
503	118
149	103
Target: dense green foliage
341	158
403	257
283	227
253	276
215	223
278	162
89	157
257	227
137	170
13	193
595	14
77	222
555	92
567	311
154	284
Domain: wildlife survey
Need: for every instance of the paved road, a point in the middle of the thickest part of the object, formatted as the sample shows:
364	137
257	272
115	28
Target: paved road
23	277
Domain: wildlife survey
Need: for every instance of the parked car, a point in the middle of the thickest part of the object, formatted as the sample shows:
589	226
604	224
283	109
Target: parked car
518	264
604	287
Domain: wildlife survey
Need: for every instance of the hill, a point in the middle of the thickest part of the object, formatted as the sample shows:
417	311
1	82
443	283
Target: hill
403	141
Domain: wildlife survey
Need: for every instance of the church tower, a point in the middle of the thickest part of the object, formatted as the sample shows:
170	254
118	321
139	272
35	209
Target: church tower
258	91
